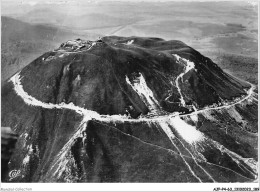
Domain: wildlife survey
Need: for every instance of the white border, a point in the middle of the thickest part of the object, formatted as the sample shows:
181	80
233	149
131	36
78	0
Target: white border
125	186
135	186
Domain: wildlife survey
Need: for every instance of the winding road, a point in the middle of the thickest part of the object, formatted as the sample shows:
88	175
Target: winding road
89	114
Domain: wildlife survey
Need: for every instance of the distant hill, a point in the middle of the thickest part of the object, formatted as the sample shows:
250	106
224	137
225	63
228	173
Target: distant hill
90	21
15	30
43	15
23	42
82	20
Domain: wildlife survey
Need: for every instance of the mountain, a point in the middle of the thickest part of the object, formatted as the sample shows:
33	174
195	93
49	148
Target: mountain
130	110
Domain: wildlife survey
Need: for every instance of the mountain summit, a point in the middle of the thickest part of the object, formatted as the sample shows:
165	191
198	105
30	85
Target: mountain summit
130	110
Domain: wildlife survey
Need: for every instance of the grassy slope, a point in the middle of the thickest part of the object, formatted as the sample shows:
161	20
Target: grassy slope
244	67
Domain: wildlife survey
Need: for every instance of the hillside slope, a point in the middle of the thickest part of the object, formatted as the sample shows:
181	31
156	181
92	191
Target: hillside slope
130	110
